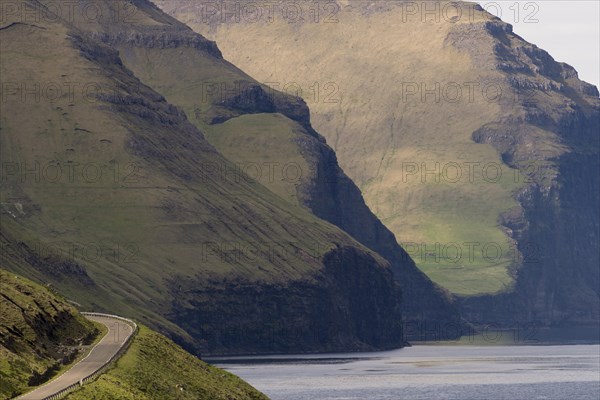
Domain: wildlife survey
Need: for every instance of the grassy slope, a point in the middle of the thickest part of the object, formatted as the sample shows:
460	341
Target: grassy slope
150	369
272	138
38	333
375	133
155	202
251	141
154	368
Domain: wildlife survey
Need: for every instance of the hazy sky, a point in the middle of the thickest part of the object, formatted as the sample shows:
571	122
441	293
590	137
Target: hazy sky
568	30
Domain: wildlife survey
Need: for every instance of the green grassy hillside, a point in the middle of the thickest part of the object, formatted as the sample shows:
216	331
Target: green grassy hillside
272	138
448	125
266	134
40	334
155	368
110	194
379	138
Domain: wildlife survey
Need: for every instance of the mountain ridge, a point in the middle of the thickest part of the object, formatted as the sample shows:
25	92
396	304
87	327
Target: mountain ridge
145	206
462	91
216	92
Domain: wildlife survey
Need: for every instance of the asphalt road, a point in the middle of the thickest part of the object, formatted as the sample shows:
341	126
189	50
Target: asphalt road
109	345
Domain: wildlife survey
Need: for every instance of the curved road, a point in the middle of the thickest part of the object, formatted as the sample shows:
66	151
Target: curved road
118	333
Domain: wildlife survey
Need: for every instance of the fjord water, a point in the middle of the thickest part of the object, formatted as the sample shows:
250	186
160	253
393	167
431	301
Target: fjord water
428	372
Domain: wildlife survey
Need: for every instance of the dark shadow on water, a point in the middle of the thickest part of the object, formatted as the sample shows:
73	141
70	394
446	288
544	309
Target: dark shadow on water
288	361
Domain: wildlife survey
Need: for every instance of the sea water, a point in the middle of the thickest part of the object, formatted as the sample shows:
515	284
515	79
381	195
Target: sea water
561	372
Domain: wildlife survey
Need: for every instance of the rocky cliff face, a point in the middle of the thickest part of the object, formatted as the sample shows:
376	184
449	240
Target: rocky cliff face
331	195
557	228
349	295
121	193
219	99
421	97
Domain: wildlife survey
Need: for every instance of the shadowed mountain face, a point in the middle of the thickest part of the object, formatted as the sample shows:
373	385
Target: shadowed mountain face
474	147
267	135
109	193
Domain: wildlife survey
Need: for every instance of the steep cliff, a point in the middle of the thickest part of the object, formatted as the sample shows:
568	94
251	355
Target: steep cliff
474	147
268	135
110	194
551	133
285	317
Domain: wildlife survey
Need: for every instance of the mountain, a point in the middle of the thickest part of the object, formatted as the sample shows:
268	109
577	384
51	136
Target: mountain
474	147
39	335
111	195
267	134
